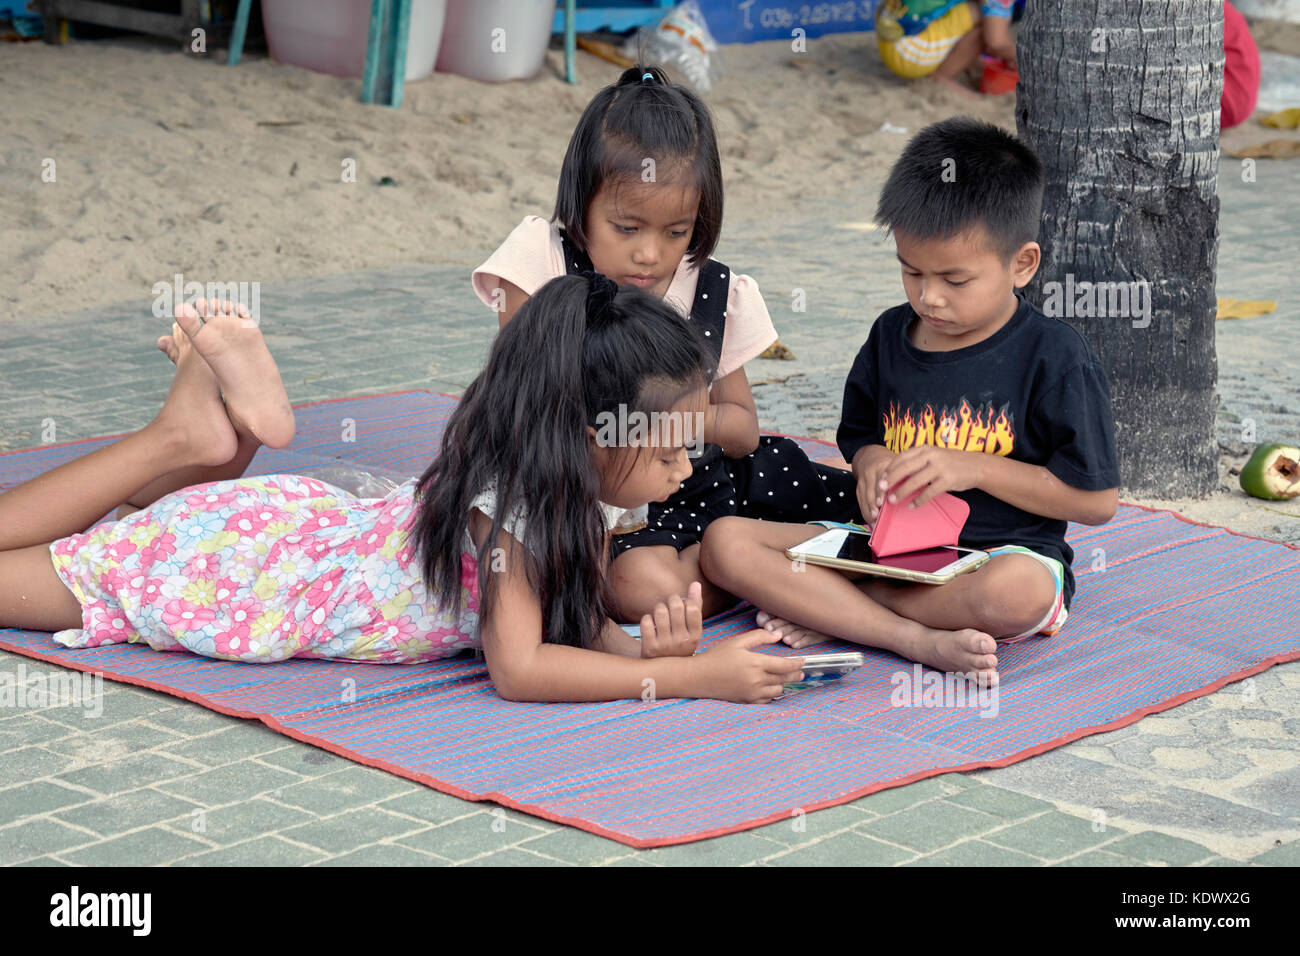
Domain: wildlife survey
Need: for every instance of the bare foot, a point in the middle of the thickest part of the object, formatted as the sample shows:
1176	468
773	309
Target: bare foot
955	86
167	345
193	412
792	634
957	652
234	348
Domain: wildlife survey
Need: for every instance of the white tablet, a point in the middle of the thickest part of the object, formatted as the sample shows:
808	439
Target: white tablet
850	550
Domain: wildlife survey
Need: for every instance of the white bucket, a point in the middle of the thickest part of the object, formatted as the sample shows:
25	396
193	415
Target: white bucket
496	40
329	36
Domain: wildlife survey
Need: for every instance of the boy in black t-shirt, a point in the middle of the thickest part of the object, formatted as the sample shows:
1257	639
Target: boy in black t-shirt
966	389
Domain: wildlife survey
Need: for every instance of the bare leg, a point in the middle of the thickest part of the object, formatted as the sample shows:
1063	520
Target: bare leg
1007	596
980	598
748	559
208	310
233	347
190	430
642	577
961	58
32	595
197	475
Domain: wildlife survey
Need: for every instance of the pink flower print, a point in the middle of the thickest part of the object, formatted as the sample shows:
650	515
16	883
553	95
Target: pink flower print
322	588
105	625
316	549
234	642
203	499
374	539
68	545
183	617
162	547
244	612
113	580
469	581
202	566
326	519
250	521
150	591
226	589
301	488
121	549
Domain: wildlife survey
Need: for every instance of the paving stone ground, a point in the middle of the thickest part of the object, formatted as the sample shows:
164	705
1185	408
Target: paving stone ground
153	780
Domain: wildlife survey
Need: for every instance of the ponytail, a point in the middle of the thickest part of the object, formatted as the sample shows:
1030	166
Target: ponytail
643	115
578	347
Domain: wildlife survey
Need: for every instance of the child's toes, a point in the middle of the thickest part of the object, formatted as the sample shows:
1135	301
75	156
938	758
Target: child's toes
188	318
167	345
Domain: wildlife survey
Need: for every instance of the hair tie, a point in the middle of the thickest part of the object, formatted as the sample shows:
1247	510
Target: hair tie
600	295
647	76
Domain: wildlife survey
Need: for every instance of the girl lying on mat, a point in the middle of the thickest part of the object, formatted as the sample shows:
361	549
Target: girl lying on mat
586	407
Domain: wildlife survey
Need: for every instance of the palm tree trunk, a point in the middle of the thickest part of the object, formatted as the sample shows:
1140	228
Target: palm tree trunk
1120	99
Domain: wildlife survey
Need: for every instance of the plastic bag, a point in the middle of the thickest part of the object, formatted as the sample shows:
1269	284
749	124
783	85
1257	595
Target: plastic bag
355	481
682	43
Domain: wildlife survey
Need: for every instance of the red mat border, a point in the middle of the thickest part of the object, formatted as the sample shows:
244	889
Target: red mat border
639	844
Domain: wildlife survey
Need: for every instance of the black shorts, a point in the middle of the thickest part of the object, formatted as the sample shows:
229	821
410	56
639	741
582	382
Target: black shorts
777	482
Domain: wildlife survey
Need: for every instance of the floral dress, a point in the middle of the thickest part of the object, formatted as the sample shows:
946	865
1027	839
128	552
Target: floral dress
263	569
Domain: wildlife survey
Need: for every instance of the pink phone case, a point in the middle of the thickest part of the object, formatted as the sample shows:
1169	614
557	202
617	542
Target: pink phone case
936	524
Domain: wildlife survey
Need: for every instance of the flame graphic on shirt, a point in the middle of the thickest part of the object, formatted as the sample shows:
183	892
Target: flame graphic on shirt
963	429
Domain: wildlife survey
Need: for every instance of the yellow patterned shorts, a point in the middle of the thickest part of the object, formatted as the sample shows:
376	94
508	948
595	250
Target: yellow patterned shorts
920	55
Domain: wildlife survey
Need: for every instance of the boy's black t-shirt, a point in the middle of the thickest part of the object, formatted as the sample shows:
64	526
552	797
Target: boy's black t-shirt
1033	391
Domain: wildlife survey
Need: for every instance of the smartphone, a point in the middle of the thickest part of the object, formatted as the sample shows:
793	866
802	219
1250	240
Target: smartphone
850	550
819	669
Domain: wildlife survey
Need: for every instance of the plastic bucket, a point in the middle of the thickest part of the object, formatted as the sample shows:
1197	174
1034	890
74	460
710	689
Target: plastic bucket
998	77
329	36
496	40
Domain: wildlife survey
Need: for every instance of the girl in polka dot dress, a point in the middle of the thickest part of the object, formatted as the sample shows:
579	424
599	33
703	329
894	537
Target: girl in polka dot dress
640	200
501	544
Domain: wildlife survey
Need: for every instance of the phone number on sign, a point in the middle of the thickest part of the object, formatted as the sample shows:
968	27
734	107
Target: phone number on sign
805	15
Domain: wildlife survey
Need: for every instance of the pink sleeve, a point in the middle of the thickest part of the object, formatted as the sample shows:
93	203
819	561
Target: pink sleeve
749	328
529	258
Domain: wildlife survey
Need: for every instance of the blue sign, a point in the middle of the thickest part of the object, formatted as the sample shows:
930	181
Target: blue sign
746	21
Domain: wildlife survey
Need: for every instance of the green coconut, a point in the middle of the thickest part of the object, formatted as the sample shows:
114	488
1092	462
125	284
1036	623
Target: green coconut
1273	472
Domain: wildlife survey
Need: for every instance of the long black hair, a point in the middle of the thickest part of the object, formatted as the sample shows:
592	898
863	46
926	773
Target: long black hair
575	352
643	116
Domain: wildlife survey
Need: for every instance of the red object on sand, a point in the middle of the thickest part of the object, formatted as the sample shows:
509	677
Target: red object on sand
998	77
1240	69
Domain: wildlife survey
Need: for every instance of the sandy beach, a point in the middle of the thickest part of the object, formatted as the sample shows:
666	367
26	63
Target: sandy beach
165	163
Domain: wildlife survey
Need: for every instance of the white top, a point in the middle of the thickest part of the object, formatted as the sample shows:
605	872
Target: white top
513	524
533	254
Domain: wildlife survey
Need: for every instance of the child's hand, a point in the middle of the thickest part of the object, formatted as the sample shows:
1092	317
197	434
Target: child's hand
996	34
675	628
871	485
933	470
731	670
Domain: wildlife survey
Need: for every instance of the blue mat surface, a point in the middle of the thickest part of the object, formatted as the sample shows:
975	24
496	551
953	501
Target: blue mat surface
1179	610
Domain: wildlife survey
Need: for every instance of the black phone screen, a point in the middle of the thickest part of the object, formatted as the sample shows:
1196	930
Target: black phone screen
857	547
